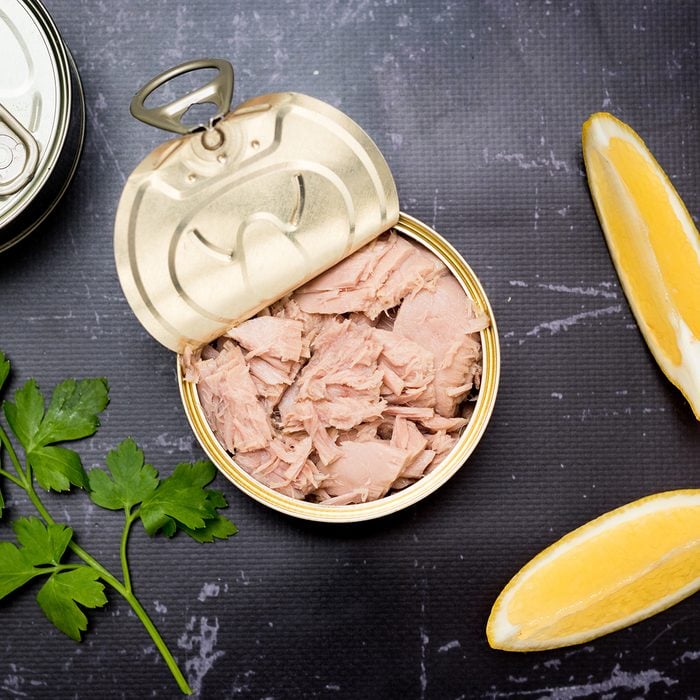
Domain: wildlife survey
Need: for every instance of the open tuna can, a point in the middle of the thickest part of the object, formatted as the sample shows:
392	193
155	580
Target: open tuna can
337	360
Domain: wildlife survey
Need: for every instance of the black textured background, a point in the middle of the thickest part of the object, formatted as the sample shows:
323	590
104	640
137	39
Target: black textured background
478	109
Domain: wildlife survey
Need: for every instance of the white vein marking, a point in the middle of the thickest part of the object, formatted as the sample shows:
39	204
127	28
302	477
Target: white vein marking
619	680
563	324
205	642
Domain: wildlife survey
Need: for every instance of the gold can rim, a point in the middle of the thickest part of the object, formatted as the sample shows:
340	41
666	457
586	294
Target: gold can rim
467	442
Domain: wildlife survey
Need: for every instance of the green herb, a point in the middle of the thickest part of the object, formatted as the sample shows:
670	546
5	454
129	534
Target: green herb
179	502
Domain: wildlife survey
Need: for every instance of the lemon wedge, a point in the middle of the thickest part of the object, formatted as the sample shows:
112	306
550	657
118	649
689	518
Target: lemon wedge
618	569
653	243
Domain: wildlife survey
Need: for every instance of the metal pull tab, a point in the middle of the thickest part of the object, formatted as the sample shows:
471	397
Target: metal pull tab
218	91
19	154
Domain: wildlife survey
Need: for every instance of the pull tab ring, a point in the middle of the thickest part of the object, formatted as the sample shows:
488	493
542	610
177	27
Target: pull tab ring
218	91
19	154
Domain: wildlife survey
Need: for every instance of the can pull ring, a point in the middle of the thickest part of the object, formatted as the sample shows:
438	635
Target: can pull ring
218	91
19	154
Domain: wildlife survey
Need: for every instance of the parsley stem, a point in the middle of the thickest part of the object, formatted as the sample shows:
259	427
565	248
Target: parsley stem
66	567
155	636
13	456
12	478
122	589
130	517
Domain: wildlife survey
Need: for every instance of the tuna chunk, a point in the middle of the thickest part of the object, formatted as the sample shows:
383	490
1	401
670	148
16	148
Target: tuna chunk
284	466
312	324
443	320
374	279
406	436
409	370
275	348
341	383
230	402
365	471
441	443
267	335
440	423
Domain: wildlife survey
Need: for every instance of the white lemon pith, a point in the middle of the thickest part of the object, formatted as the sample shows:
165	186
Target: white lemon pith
653	243
610	573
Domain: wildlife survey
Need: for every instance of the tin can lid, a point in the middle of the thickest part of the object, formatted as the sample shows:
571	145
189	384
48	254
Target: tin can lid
35	97
217	224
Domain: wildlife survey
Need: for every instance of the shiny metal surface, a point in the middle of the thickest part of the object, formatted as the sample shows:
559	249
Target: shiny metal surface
40	90
216	225
218	91
19	154
420	232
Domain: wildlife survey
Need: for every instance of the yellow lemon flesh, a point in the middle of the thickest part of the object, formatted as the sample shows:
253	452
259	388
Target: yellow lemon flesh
653	243
610	573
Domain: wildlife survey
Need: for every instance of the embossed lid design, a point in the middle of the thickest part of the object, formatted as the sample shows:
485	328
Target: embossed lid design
217	224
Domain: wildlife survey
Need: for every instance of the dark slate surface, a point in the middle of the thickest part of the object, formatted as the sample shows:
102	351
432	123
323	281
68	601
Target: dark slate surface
478	109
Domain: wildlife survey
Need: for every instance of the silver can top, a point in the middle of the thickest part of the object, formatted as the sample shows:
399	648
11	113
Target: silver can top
35	98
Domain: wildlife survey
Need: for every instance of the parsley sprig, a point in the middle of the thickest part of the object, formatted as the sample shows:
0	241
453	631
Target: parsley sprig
47	549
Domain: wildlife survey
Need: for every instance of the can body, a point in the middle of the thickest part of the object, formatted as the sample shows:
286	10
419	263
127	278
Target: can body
416	230
42	91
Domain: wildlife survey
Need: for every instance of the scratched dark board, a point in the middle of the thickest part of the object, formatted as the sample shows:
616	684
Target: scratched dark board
478	109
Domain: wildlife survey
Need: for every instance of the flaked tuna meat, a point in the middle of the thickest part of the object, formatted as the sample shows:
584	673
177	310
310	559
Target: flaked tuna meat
409	370
284	466
366	470
413	412
363	432
441	443
374	279
442	321
352	386
439	422
408	437
417	468
312	324
230	401
340	384
322	439
266	335
275	347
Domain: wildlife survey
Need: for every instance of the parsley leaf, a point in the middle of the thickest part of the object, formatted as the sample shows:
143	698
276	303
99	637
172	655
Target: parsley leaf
4	368
60	595
71	415
180	500
15	569
219	528
25	414
42	544
57	468
132	480
2	500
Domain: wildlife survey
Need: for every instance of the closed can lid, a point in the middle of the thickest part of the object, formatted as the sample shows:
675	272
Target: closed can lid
217	224
35	100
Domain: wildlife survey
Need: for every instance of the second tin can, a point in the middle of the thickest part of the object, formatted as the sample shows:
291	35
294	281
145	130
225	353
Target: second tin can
42	118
